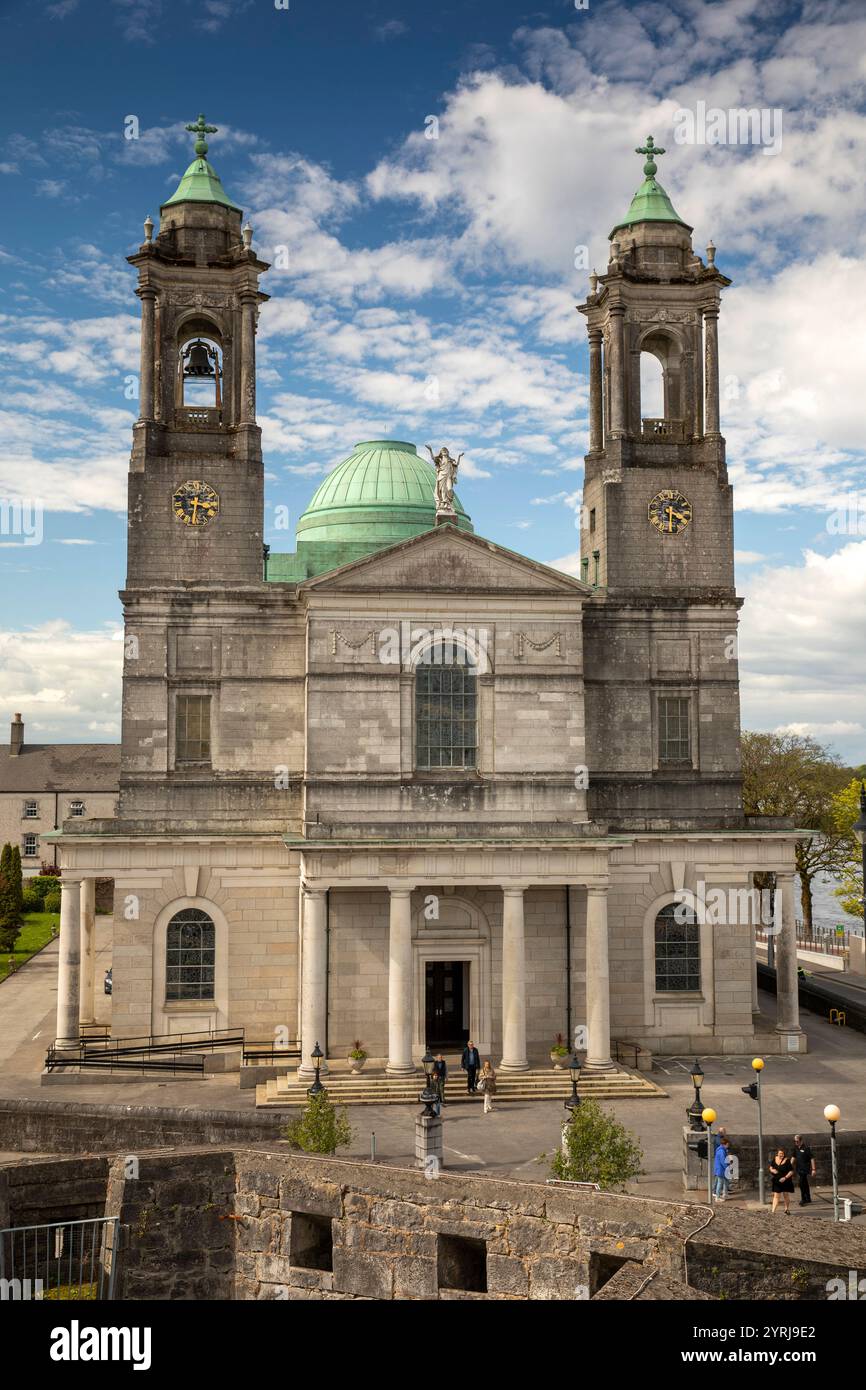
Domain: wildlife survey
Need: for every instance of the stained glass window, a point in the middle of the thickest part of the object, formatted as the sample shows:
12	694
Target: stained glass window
190	953
446	723
678	949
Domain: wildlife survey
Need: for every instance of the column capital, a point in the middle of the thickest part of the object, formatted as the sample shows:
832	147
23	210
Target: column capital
514	889
597	889
313	890
68	880
398	890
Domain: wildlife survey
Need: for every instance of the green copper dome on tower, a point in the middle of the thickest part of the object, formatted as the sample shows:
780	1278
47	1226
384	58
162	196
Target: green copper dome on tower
201	182
650	203
383	493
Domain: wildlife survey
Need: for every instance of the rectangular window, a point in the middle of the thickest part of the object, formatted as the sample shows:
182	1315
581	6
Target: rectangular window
30	848
192	735
591	520
76	808
31	810
674	737
678	951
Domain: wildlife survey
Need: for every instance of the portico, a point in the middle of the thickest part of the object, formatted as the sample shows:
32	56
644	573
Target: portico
448	926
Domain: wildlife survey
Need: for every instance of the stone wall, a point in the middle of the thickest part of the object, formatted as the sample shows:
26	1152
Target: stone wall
65	1190
58	1127
268	1224
850	1155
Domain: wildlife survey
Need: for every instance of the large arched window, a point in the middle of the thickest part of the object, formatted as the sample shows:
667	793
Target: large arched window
678	950
190	954
446	717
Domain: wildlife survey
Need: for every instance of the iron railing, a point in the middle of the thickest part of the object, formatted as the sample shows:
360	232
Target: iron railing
145	1052
261	1053
64	1260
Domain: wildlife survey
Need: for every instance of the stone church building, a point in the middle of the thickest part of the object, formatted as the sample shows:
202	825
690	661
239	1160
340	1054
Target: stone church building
404	785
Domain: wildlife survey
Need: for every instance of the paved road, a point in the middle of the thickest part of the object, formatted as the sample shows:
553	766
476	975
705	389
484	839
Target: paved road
28	1005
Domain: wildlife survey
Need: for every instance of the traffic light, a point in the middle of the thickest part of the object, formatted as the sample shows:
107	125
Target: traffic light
751	1090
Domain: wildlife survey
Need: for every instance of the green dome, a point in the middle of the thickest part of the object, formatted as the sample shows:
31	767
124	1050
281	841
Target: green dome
384	492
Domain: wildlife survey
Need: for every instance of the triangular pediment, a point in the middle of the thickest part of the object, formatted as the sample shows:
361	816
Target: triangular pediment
447	559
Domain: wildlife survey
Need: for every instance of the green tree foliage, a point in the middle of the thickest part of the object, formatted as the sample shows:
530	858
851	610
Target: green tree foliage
796	777
321	1128
18	878
846	810
10	900
597	1148
51	901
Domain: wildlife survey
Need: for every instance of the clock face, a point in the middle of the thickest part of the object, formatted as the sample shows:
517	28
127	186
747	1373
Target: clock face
195	503
669	511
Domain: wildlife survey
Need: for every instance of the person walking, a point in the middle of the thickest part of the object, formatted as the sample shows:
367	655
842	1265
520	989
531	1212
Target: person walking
440	1076
471	1064
805	1164
488	1085
782	1180
720	1170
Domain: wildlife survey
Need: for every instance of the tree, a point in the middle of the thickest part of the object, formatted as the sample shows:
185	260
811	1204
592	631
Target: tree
10	912
795	777
846	809
597	1148
18	878
321	1128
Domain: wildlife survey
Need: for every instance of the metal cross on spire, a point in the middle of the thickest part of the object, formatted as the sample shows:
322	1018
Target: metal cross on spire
650	149
201	130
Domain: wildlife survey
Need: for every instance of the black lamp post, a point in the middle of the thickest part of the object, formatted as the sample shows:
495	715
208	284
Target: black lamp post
317	1054
429	1095
696	1109
860	832
573	1101
832	1114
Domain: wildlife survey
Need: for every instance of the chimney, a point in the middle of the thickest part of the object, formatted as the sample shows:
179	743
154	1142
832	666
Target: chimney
17	739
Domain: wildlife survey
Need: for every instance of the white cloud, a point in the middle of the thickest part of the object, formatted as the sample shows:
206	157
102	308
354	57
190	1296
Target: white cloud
85	680
802	647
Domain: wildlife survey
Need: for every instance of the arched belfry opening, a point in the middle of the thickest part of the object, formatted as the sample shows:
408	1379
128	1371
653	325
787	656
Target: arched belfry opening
660	406
199	384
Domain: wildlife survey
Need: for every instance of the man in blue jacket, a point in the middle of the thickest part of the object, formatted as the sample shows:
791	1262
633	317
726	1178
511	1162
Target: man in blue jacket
471	1064
720	1170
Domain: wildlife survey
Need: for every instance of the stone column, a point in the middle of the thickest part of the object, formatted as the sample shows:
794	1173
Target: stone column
69	964
88	948
754	925
248	360
598	1056
513	982
711	369
617	373
145	384
787	997
314	983
400	988
596	421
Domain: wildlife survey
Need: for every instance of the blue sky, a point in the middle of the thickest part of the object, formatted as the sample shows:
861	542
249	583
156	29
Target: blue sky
430	287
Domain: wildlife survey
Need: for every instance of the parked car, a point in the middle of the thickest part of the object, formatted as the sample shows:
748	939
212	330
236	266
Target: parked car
107	985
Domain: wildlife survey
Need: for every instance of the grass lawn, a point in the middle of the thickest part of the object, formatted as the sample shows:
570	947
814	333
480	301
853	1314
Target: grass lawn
35	934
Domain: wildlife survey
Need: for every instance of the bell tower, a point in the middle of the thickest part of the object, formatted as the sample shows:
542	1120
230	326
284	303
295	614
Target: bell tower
657	544
196	476
657	504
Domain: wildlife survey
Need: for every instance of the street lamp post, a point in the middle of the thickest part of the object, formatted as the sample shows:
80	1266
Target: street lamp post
317	1054
695	1110
832	1114
429	1095
709	1116
754	1090
573	1101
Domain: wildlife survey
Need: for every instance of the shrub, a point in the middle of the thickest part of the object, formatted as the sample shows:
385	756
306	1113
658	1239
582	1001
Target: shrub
43	883
321	1128
51	902
32	901
597	1148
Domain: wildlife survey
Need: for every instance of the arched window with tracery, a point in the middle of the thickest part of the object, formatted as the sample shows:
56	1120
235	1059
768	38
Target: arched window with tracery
677	950
190	955
446	709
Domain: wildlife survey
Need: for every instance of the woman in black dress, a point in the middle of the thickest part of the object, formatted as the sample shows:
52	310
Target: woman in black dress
782	1175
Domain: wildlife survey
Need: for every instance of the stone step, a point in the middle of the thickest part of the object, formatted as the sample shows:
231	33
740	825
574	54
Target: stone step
525	1086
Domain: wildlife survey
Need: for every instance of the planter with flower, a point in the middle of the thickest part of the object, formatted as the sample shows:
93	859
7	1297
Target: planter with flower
559	1053
357	1057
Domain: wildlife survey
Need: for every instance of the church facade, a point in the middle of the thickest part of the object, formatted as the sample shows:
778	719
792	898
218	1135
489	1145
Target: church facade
404	785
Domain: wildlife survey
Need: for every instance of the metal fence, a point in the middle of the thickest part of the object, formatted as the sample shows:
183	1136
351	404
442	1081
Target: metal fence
65	1260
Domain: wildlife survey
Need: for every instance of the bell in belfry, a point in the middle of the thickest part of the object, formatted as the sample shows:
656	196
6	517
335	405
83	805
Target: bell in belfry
198	362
